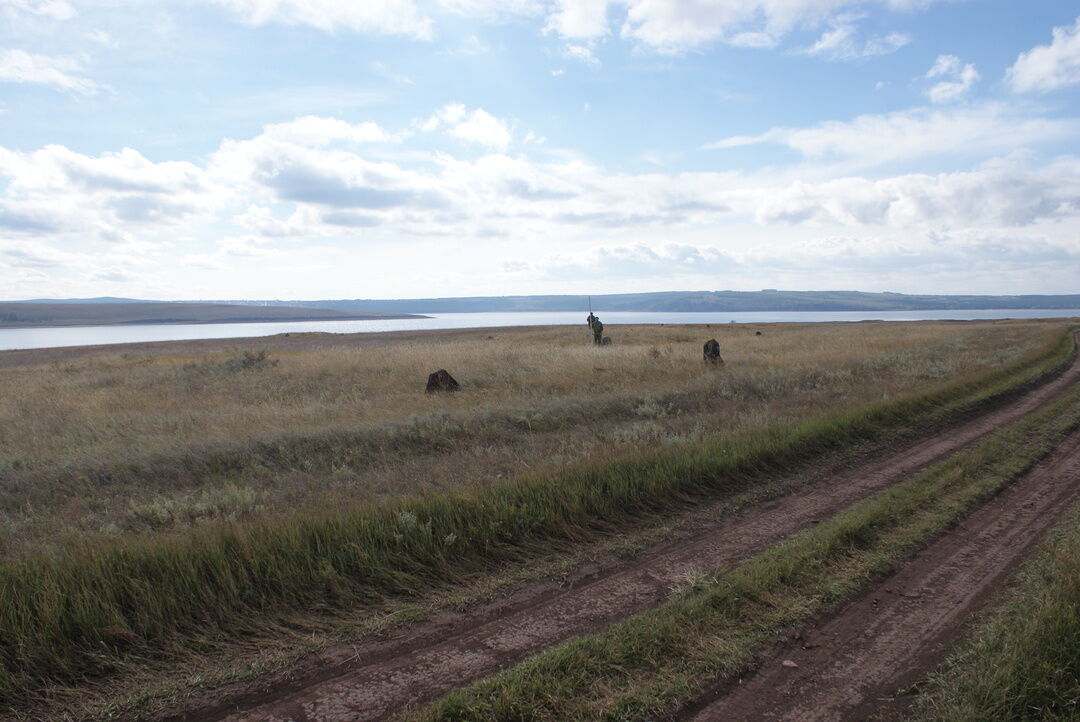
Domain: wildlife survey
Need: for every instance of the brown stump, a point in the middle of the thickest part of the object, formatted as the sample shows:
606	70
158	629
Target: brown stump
441	381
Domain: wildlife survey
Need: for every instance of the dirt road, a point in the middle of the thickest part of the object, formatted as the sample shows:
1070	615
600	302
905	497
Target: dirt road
372	680
850	665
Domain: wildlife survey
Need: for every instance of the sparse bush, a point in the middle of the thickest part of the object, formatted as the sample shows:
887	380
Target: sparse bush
652	408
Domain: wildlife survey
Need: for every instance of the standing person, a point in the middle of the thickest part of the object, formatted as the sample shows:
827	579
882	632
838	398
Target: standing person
597	331
590	319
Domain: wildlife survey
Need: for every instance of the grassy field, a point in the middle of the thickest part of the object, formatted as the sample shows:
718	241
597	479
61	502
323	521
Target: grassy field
645	667
153	501
1021	662
158	443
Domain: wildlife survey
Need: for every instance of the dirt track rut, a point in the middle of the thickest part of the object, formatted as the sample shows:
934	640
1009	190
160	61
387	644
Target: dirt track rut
889	637
372	680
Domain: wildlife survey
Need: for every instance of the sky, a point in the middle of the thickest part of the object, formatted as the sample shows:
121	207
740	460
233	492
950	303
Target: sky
314	149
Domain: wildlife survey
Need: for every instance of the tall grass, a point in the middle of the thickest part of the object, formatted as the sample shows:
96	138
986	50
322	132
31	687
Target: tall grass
155	443
86	610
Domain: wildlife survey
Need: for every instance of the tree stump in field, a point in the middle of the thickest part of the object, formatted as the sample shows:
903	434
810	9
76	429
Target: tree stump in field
441	381
711	352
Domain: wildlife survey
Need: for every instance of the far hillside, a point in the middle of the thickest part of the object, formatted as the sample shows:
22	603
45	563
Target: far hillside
687	301
19	315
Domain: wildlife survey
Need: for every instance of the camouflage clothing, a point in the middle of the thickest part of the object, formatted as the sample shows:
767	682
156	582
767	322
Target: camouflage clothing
597	331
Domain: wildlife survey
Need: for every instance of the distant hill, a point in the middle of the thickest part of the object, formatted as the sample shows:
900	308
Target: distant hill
673	301
119	311
99	299
685	301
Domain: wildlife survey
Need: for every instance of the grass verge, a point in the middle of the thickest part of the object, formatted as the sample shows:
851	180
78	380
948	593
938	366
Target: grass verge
95	609
651	664
1022	662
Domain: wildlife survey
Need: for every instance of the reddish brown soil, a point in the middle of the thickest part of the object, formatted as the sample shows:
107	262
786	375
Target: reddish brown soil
850	664
371	680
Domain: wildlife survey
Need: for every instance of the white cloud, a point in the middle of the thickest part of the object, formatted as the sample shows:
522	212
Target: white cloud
1048	67
959	79
450	113
290	163
388	17
55	190
114	276
493	10
579	19
675	25
314	180
19	66
876	139
875	254
582	53
56	9
639	260
998	194
401	79
841	43
475	126
316	131
35	254
246	246
260	220
103	39
471	45
957	253
484	129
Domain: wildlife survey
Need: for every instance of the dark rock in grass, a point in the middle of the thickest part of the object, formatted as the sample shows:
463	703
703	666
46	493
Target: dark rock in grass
711	353
757	333
441	381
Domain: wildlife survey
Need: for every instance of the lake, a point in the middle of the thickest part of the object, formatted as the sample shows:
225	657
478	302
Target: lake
24	338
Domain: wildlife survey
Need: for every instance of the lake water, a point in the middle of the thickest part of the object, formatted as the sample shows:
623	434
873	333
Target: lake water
23	338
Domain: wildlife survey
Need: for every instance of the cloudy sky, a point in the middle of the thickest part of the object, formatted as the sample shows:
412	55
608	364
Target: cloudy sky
181	149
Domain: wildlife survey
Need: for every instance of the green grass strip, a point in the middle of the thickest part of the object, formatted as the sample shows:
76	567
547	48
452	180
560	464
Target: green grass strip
651	664
1023	660
95	609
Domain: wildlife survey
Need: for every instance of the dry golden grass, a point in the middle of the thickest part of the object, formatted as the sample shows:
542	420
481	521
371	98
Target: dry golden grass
158	441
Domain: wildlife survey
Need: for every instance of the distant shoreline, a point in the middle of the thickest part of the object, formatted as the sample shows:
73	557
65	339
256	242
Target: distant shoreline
89	315
211	322
26	338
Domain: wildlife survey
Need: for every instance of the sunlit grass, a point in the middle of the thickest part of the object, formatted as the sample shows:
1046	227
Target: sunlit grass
152	443
74	610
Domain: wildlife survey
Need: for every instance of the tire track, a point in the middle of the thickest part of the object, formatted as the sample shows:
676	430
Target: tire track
892	635
372	680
